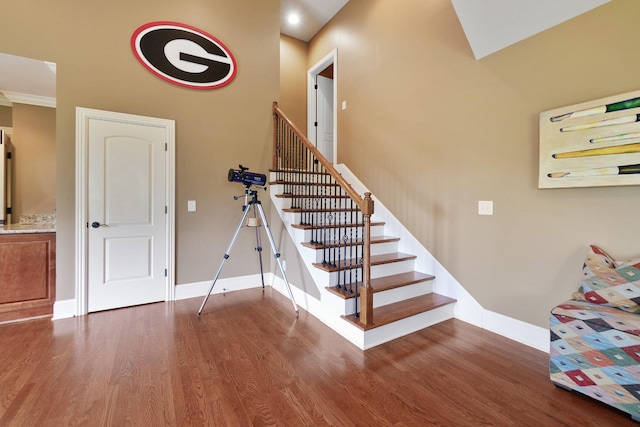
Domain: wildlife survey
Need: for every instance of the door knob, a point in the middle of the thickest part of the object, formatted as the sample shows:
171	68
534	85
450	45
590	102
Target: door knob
96	224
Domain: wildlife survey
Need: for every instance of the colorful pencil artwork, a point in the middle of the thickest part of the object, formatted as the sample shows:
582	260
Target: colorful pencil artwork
600	109
591	144
619	137
603	151
605	171
610	122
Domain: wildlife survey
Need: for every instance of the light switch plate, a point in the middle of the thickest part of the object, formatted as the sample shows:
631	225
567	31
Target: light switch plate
485	207
191	205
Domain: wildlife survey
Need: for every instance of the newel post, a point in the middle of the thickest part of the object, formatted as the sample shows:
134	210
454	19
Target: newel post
366	292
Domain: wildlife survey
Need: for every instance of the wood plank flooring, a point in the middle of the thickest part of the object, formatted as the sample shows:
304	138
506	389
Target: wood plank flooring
249	361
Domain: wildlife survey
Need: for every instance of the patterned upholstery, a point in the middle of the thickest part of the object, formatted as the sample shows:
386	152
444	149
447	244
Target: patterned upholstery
610	282
595	349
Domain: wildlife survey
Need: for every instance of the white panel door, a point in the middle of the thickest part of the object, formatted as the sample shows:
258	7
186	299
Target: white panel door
126	214
324	112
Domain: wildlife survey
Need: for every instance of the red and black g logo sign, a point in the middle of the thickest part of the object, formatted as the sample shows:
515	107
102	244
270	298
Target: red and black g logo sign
183	55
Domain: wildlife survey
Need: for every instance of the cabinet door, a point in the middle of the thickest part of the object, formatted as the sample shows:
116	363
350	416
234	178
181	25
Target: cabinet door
27	275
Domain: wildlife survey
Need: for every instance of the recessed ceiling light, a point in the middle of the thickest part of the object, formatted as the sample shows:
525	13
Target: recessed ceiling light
293	18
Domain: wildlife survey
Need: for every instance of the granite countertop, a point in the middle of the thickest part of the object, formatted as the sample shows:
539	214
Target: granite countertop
25	228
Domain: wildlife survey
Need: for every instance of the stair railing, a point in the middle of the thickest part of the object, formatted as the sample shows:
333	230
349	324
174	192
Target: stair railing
328	203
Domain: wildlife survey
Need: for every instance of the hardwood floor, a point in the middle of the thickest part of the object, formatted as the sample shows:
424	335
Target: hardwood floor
248	361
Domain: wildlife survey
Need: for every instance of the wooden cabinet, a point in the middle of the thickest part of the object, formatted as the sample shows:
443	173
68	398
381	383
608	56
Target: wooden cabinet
27	275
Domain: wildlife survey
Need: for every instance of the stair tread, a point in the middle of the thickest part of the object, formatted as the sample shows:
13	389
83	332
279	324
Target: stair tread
375	260
321	184
312	196
302	210
298	172
318	226
401	310
385	283
336	243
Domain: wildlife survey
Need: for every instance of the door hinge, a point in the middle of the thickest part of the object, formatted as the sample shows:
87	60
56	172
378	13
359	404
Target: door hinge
315	87
315	124
166	210
9	155
165	272
166	147
8	211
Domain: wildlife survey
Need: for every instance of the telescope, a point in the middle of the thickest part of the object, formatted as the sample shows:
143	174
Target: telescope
247	178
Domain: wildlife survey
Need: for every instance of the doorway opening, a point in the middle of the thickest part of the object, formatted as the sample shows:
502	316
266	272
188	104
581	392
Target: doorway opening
322	112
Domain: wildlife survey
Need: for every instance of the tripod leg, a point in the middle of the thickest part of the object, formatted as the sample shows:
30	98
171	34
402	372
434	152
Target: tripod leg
276	254
259	247
224	259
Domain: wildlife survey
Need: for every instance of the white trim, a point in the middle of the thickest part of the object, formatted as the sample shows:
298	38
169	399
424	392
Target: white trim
83	115
517	330
199	289
331	58
64	309
513	329
25	98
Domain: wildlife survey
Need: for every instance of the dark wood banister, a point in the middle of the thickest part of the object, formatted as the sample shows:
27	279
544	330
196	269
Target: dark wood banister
365	204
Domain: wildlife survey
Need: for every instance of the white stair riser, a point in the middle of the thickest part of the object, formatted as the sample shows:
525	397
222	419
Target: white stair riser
398	294
336	233
322	218
294	218
377	249
406	326
392	268
331	279
307	202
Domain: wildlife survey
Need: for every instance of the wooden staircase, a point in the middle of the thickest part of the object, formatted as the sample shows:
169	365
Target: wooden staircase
400	298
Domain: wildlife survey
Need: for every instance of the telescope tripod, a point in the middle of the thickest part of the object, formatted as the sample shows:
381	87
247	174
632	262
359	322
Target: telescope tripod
251	200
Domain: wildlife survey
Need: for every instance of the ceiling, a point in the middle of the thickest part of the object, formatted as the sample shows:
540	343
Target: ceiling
489	26
492	25
314	14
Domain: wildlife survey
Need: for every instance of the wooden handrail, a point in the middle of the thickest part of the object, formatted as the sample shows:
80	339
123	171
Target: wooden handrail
366	206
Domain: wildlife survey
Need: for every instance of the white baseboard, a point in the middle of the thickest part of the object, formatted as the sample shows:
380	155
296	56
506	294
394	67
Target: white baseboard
200	289
517	330
522	332
64	309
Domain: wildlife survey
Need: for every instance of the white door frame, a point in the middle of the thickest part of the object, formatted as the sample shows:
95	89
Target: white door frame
83	115
331	58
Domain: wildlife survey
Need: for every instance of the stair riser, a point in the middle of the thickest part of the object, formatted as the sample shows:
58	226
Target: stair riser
320	203
296	218
334	233
332	279
314	198
377	249
322	218
348	306
395	295
406	326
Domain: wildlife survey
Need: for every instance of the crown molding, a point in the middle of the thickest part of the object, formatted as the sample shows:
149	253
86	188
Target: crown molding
24	98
